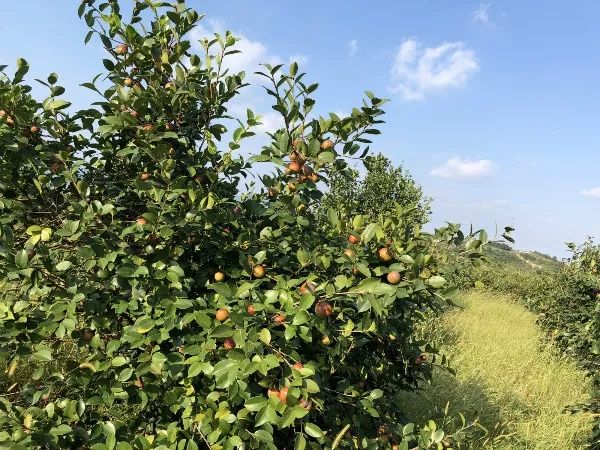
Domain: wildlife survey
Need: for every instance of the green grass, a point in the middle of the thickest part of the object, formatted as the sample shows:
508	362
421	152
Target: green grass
506	380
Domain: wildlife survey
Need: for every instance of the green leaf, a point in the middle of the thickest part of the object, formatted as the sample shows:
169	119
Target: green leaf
313	430
436	281
21	259
43	355
265	336
63	265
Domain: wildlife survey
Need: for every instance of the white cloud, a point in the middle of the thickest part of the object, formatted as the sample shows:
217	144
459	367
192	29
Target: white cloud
302	60
418	71
592	192
463	168
482	14
352	47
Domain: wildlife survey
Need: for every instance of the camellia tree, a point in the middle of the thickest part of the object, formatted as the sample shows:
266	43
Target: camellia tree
149	300
378	194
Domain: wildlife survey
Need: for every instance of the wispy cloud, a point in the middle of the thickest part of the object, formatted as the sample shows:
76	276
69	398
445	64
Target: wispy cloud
482	14
352	47
418	71
464	168
592	192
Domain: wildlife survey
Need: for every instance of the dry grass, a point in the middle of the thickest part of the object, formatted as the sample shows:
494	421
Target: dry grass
505	379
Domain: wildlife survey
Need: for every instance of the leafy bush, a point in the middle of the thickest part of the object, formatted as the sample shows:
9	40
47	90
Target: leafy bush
378	193
148	299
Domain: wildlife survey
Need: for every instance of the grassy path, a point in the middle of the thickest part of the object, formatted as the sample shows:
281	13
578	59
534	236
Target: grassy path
516	388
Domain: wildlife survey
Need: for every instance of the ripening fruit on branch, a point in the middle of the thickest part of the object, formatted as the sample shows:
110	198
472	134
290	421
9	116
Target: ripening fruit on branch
326	340
323	309
149	127
169	85
294	167
138	383
327	144
306	404
419	360
279	319
128	82
384	255
394	277
308	286
354	240
273	392
55	166
229	344
349	253
219	276
141	221
122	49
259	271
88	335
272	192
2	113
283	393
298	365
34	129
145	176
222	315
251	310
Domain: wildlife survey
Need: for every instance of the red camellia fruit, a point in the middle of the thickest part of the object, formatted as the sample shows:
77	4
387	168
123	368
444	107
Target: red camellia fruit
283	393
394	277
259	271
323	309
145	176
229	344
279	319
308	286
273	392
219	276
327	144
141	221
384	254
122	49
353	239
251	310
294	167
222	315
298	365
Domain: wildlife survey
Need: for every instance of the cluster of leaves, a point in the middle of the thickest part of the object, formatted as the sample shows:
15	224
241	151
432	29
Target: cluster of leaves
567	300
378	193
149	300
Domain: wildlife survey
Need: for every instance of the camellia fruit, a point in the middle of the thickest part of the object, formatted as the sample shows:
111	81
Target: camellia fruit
273	392
34	129
326	340
88	335
349	253
279	319
294	167
296	144
353	239
272	192
306	404
308	286
259	271
298	365
283	393
122	49
138	383
393	277
128	82
323	309
149	127
141	221
251	310
219	276
145	176
55	167
327	144
222	315
229	344
384	255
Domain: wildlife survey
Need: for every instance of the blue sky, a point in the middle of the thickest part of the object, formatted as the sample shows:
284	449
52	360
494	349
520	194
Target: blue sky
495	105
